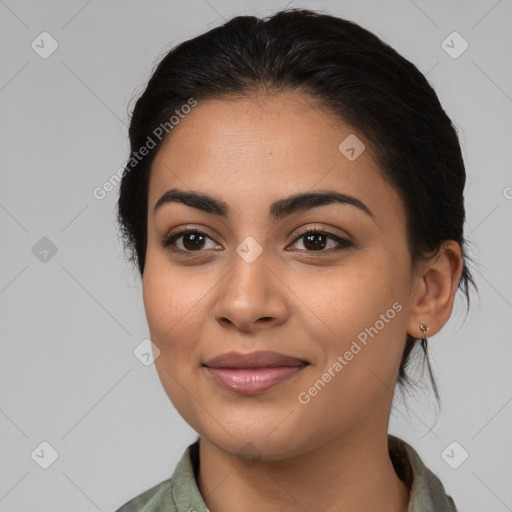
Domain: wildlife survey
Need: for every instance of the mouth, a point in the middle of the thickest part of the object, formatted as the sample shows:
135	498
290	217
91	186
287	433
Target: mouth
253	373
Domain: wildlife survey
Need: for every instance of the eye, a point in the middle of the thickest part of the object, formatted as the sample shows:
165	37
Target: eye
316	240
193	240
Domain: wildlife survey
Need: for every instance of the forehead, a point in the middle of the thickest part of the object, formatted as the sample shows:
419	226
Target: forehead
256	150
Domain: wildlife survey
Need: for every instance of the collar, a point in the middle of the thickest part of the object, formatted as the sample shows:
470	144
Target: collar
426	491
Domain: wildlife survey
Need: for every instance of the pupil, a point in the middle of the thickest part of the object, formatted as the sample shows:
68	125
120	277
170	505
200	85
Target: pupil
315	245
195	238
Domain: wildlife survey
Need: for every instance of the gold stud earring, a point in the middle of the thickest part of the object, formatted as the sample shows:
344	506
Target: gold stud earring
424	328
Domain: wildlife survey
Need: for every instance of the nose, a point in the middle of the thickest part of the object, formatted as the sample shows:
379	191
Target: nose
251	296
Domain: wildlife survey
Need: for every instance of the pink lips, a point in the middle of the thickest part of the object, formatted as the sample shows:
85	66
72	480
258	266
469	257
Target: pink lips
253	373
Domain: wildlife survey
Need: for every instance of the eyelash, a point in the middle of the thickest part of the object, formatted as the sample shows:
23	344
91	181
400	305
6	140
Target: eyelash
342	243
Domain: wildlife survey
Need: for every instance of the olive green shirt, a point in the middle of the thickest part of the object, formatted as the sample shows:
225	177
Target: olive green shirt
180	493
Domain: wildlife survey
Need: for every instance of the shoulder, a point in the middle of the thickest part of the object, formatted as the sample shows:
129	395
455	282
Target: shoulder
178	492
427	493
155	499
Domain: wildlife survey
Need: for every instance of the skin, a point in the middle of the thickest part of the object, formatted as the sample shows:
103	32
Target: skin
326	454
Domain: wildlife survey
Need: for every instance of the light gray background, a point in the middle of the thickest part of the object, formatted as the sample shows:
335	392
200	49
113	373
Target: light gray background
69	326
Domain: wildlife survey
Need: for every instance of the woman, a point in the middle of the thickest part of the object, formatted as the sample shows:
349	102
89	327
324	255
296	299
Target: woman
294	203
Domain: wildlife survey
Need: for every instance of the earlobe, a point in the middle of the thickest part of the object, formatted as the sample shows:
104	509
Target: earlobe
433	302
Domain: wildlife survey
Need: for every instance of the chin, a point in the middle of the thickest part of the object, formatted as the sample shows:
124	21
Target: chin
252	442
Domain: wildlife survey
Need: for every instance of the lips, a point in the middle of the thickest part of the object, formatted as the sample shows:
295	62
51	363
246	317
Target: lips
253	373
261	359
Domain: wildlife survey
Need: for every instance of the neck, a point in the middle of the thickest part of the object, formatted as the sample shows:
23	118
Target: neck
346	473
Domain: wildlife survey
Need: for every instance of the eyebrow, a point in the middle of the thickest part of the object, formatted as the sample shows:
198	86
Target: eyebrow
278	209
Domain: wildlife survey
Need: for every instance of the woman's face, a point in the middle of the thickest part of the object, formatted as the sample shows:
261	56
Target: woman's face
338	302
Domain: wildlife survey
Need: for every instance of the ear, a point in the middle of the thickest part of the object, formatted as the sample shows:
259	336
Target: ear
434	289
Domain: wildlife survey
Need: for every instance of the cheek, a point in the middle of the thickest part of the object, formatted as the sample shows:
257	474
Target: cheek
355	295
171	304
360	363
172	299
366	316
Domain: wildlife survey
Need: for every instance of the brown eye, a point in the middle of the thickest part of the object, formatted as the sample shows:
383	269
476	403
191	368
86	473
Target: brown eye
315	240
192	241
